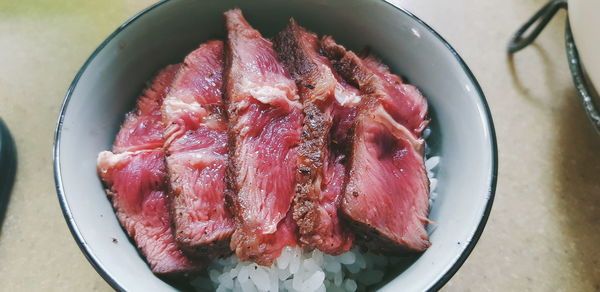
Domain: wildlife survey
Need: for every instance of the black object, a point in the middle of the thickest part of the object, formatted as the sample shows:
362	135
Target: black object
582	84
542	17
8	165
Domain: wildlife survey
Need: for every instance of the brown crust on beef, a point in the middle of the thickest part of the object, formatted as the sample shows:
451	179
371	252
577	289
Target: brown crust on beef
231	188
294	58
215	249
350	66
315	131
315	134
373	240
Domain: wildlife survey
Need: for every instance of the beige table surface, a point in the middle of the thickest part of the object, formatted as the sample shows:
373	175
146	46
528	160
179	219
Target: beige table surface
544	230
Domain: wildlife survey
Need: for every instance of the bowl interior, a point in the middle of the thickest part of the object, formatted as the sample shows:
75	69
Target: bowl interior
108	84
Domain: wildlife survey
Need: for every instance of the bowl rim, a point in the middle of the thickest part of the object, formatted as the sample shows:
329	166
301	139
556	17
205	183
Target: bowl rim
91	257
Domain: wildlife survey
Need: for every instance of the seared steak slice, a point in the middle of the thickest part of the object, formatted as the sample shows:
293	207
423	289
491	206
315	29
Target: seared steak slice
136	182
387	192
264	128
402	101
329	108
196	146
136	185
142	128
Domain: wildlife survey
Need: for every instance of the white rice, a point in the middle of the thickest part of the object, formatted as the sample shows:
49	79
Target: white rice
309	271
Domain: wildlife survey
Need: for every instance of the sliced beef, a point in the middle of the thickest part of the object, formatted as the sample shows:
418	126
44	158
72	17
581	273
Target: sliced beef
136	181
142	128
196	146
329	108
386	196
265	118
136	186
402	101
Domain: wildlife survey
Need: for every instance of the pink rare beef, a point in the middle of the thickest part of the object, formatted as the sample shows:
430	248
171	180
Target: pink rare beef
136	181
265	118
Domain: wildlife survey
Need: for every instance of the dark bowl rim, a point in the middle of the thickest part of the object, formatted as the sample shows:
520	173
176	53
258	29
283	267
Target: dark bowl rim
113	283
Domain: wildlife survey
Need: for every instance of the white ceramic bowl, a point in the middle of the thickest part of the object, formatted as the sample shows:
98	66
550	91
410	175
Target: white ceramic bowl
110	80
